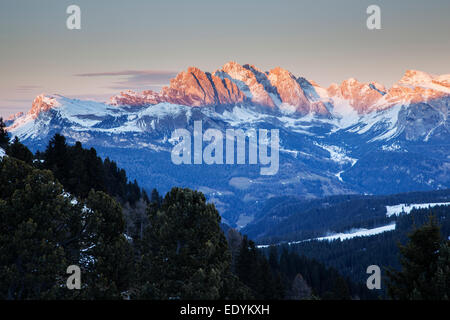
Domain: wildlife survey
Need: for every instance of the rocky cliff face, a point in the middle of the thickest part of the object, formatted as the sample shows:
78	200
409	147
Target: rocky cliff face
289	90
197	88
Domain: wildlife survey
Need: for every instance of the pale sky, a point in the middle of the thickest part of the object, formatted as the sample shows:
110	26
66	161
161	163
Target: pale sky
141	44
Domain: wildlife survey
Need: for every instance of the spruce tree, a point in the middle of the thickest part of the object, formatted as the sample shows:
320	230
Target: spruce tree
441	279
57	158
19	151
106	252
419	262
155	197
300	289
4	136
36	220
184	251
253	269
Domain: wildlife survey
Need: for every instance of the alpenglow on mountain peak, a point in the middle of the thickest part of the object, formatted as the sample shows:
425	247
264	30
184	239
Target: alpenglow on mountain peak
278	88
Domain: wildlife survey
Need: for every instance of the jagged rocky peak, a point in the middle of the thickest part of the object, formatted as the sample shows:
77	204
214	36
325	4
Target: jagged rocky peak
289	90
42	103
197	88
233	84
191	87
250	81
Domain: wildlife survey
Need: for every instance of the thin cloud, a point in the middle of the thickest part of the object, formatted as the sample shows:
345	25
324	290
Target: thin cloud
144	86
156	73
135	79
27	88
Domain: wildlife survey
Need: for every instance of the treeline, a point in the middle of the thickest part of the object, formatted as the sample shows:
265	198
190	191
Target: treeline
79	170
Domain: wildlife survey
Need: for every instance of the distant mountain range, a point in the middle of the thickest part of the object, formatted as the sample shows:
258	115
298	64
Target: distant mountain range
354	137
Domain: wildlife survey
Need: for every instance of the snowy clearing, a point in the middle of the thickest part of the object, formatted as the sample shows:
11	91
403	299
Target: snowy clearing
347	235
406	208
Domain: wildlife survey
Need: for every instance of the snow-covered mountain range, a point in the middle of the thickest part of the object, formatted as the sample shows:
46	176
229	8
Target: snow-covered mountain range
351	137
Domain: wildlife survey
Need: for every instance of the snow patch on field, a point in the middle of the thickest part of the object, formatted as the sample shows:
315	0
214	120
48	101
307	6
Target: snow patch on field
347	235
358	233
406	208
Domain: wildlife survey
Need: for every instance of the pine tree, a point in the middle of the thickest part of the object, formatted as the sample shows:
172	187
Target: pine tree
19	151
246	263
155	198
108	254
300	289
279	287
253	269
57	159
234	239
184	252
4	136
419	265
441	279
340	290
145	196
35	222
